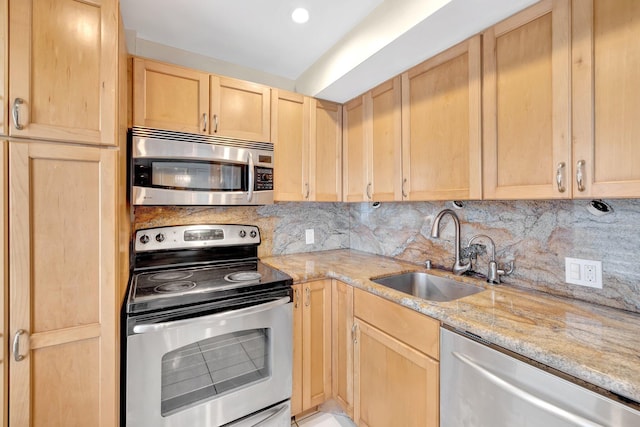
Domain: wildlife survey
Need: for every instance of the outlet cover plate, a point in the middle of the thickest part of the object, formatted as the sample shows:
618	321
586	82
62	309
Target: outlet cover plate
309	236
583	272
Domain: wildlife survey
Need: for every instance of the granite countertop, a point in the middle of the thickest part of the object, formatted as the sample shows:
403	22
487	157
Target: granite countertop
596	344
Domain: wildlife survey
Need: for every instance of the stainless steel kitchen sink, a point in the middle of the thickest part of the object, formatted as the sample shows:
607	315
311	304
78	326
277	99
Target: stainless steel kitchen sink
428	286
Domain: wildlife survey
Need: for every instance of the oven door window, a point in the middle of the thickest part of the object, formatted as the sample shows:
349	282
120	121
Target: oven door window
203	176
215	366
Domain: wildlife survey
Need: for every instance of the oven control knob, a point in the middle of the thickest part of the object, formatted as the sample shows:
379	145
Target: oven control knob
253	233
144	239
243	234
160	237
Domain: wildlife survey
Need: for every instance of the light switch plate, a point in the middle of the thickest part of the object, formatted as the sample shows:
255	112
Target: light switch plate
583	272
309	237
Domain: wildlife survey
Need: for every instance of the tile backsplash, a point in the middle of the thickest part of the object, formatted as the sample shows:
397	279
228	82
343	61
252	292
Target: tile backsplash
537	235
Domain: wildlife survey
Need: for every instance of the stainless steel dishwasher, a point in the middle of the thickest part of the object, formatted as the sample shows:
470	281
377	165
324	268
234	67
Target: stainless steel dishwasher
483	387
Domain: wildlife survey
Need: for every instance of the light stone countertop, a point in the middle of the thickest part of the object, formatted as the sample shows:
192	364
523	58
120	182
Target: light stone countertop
594	343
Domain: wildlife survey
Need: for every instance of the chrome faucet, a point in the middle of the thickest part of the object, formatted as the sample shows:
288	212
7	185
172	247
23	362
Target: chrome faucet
458	266
494	273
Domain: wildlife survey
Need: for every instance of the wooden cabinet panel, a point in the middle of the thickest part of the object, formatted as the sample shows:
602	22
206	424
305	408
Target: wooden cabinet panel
356	188
63	62
526	103
170	97
62	285
290	136
342	345
394	383
441	111
385	153
395	364
4	275
4	65
325	162
240	109
606	105
312	345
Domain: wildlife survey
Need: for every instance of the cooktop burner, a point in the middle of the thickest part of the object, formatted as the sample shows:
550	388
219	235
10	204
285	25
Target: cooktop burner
187	266
170	287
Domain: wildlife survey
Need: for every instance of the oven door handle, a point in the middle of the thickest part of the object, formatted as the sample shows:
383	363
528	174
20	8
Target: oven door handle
278	411
155	327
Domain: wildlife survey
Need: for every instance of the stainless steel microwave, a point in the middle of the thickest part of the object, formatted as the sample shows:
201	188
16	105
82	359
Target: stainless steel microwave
177	168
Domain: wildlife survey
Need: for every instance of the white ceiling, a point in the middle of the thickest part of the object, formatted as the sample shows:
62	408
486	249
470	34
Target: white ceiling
347	47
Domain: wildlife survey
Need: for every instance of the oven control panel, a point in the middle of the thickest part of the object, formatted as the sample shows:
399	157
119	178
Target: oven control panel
195	236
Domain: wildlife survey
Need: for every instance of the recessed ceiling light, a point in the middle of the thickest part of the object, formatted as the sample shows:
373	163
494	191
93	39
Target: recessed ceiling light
300	15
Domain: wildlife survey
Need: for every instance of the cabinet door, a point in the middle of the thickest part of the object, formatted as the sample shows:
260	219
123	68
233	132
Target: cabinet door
606	105
4	275
63	306
170	97
316	353
342	345
441	114
296	393
4	65
526	96
240	109
290	136
394	384
63	69
385	153
325	161
356	187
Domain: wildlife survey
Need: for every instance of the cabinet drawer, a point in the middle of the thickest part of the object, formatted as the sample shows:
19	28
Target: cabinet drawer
404	324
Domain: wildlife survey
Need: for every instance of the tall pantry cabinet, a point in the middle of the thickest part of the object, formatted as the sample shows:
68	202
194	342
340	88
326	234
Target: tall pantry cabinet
59	177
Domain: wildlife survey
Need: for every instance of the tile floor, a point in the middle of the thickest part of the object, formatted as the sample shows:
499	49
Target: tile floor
328	415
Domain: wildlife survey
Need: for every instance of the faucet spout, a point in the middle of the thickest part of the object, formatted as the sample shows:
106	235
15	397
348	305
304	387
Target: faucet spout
458	266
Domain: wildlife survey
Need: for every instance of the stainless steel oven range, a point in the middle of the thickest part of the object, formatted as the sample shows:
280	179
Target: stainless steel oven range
207	331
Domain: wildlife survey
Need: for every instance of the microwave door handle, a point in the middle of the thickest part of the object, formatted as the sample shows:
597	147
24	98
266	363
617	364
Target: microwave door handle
155	327
251	176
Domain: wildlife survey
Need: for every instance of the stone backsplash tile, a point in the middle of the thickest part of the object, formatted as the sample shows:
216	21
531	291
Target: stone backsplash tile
537	235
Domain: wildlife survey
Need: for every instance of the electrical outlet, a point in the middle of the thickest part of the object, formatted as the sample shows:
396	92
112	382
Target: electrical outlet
583	272
309	237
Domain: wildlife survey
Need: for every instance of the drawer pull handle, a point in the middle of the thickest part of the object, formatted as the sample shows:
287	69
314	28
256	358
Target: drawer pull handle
16	113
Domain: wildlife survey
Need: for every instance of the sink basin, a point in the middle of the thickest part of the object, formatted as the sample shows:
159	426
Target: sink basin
428	286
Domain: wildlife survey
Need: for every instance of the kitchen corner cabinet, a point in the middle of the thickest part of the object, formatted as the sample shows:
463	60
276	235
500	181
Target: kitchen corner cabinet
170	97
526	104
312	345
372	145
307	143
441	126
606	105
396	369
62	287
342	334
62	70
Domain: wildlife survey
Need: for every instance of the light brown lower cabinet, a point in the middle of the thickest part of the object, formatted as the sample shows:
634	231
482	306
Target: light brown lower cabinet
63	301
396	380
342	345
311	345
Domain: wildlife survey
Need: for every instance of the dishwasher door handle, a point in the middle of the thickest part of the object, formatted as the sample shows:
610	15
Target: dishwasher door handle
523	394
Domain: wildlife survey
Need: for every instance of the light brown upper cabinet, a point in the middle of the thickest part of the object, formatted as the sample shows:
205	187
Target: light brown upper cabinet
240	109
373	146
63	70
606	104
306	133
441	131
526	104
325	151
355	188
171	97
